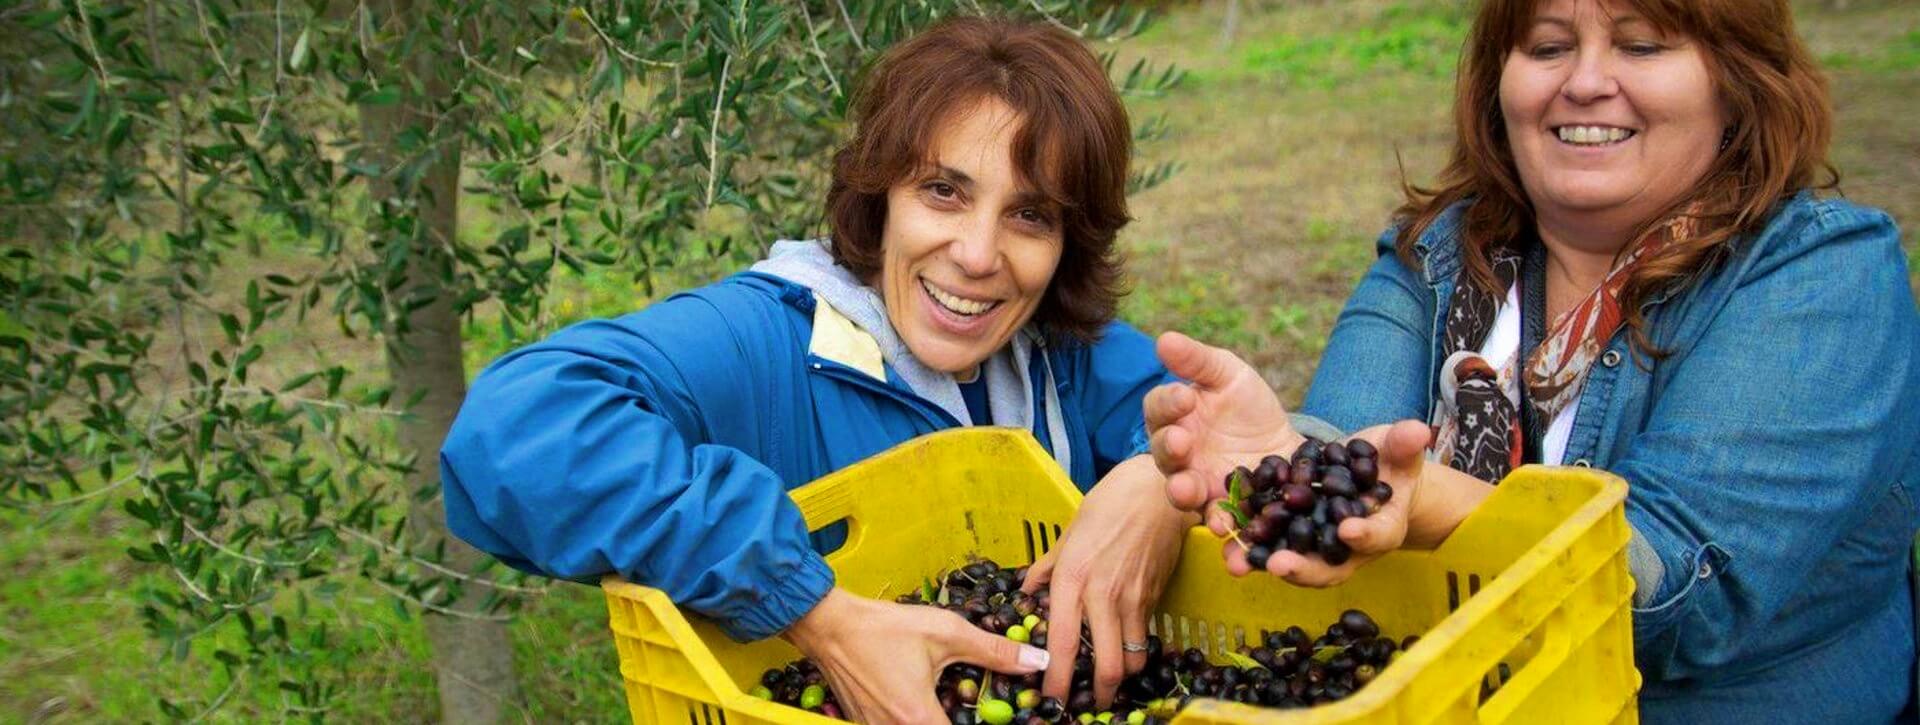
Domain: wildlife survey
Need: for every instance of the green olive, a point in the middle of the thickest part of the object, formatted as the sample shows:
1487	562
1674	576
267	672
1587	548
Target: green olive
811	697
995	712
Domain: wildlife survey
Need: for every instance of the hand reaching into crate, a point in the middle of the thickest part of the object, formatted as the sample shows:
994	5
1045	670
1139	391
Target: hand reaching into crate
883	658
1109	569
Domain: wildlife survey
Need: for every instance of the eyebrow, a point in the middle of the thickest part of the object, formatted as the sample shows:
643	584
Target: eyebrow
958	176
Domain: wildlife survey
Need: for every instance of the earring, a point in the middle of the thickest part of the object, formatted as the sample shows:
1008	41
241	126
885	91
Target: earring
1726	138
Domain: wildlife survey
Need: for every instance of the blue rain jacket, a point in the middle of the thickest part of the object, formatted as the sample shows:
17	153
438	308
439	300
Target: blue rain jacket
660	445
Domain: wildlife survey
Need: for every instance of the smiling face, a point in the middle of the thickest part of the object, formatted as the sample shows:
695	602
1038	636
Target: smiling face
1608	117
968	249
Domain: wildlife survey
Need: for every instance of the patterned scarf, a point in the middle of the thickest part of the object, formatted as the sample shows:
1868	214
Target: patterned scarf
1476	425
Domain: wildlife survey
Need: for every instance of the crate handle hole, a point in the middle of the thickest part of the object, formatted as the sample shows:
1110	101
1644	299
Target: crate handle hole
839	532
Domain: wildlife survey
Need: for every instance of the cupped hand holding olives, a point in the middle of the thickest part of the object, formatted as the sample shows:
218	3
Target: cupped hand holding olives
1316	516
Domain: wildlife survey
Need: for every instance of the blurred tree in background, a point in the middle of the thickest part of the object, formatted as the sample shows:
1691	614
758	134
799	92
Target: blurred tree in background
149	150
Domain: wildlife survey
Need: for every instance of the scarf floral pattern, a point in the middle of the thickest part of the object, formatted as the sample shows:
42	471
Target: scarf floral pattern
1477	425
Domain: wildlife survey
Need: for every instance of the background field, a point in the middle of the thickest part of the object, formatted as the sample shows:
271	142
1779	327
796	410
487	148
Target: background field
1290	139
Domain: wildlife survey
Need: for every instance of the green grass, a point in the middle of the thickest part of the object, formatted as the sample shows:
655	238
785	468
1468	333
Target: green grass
1903	54
1421	40
72	646
1292	140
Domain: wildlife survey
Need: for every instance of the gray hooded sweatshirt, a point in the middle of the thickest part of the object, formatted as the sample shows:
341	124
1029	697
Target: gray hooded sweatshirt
1010	393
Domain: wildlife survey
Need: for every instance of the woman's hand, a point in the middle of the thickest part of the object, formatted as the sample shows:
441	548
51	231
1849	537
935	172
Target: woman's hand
1225	416
1110	567
883	659
1402	448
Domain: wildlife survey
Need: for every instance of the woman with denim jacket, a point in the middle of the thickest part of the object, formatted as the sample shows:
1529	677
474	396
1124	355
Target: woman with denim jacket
1624	267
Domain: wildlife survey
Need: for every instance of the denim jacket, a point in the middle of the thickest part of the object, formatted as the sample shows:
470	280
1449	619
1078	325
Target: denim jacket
1772	456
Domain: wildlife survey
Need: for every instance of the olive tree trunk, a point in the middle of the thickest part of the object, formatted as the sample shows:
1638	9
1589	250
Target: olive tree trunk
472	654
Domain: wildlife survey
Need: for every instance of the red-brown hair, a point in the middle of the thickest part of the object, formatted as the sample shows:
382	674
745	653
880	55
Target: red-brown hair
1775	95
1073	146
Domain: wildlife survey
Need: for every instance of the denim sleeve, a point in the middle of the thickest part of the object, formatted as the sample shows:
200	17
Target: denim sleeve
1377	362
1775	432
586	454
1121	370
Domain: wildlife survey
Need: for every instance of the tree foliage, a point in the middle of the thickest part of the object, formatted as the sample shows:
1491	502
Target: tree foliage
196	218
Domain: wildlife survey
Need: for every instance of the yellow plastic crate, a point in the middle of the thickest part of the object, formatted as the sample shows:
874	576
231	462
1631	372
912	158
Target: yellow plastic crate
1529	596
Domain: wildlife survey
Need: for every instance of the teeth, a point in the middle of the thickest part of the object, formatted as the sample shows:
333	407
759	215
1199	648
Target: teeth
1593	134
955	304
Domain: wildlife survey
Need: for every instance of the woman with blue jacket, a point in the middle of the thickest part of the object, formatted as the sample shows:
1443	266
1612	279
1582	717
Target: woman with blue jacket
971	279
1624	268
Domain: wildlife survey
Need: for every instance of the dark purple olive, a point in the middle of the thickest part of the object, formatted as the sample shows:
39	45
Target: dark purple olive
1300	537
1260	499
1257	556
1338	481
1276	510
1331	547
1194	658
1358	625
1260	530
1309	450
1081	701
1358	448
1264	656
1366	472
1297	497
1303	473
1334	454
1382	492
1273	640
1340	508
1270	471
1386	647
1343	662
1368	504
1246	477
1050	709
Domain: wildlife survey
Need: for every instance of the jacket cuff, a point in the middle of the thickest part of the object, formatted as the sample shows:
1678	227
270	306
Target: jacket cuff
794	593
1312	427
1647	569
1140	444
1666	576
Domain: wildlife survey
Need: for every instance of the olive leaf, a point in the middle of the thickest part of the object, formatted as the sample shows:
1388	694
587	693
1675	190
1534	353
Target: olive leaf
1239	519
1236	493
1242	661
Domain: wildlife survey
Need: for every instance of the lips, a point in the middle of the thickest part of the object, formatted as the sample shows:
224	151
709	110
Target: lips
964	307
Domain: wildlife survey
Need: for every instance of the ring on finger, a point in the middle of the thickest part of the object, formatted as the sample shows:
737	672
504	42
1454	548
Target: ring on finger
1133	646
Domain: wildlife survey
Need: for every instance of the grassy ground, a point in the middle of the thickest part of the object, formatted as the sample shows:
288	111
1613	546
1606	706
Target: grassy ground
1292	138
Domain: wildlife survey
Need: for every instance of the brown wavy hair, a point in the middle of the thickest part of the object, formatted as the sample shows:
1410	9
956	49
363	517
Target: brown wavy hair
1783	123
1073	146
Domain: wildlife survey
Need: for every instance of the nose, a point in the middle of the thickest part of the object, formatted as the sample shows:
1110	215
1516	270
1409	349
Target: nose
975	248
1592	78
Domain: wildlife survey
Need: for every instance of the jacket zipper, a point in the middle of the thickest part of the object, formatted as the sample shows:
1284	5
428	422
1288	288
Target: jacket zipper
839	371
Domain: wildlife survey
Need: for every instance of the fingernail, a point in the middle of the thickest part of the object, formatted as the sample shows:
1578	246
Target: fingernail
1034	657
